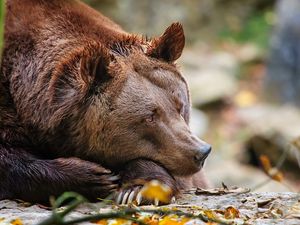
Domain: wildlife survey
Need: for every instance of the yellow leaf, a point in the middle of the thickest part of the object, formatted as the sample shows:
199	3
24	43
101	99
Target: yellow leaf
245	98
156	190
231	213
210	214
16	222
173	220
151	220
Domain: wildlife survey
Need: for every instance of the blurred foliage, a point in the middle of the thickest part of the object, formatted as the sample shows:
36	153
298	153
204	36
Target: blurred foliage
207	20
256	29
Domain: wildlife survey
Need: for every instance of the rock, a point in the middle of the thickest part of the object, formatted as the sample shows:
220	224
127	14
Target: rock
202	57
211	75
257	208
29	215
248	53
283	77
198	122
269	119
271	129
210	86
234	173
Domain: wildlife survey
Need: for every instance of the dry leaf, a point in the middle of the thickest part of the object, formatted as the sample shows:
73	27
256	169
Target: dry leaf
210	214
173	220
153	220
157	190
273	173
101	222
16	222
231	213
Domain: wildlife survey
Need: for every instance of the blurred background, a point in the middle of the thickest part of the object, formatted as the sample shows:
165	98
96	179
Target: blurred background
242	62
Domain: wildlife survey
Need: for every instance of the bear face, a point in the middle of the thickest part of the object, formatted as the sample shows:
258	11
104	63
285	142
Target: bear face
150	118
148	112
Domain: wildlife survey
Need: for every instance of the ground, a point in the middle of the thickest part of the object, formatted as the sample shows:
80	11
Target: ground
252	208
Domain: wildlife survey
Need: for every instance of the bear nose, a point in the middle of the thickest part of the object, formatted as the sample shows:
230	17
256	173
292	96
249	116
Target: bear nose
202	153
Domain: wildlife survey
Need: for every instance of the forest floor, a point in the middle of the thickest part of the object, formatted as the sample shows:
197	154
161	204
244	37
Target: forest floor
222	208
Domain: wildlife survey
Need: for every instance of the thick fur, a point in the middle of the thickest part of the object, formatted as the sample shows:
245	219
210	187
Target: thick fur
80	98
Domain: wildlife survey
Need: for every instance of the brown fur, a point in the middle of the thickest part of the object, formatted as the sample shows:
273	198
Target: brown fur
74	84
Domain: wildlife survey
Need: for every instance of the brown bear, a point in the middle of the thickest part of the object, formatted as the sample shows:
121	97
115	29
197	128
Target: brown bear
87	107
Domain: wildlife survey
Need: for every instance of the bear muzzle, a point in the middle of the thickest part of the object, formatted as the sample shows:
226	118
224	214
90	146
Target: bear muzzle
201	154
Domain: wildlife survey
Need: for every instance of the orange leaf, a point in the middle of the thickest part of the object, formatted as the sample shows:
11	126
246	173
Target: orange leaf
17	222
210	214
173	220
157	190
101	222
231	213
274	173
265	162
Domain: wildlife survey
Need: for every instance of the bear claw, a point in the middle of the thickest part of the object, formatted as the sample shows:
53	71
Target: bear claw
129	196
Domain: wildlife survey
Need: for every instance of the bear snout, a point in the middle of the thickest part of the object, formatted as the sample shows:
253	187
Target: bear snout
201	154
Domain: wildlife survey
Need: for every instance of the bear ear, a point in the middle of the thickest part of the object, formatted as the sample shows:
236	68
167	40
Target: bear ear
169	46
94	66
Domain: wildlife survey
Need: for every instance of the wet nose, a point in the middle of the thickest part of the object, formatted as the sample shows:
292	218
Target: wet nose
202	153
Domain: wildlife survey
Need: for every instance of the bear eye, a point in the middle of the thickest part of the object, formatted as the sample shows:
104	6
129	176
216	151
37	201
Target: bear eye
150	118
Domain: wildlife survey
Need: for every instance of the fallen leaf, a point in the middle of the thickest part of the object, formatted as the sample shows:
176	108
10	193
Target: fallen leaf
273	173
157	190
120	222
101	222
16	222
173	220
151	220
210	214
231	213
